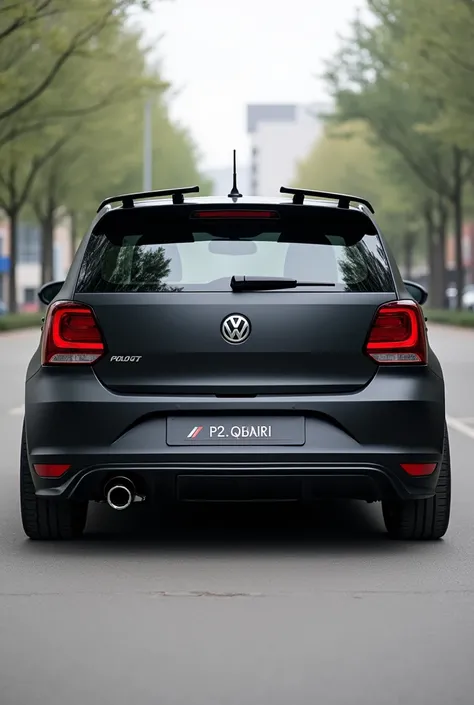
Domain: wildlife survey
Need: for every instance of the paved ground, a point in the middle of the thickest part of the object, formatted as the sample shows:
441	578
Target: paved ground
240	607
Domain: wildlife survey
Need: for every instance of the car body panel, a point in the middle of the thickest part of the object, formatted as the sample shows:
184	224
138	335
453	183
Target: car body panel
299	342
75	419
304	357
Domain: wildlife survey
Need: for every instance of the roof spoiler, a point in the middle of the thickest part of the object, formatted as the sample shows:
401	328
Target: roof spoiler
128	199
344	200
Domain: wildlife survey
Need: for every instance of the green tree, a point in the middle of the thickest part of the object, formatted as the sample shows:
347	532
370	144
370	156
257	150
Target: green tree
98	149
65	147
347	159
39	41
365	79
104	154
435	54
20	165
39	37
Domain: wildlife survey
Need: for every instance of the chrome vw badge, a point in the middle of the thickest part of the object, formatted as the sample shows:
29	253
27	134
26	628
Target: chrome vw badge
235	329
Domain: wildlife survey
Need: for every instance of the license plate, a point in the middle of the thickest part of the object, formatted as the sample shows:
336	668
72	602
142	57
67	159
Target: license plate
235	431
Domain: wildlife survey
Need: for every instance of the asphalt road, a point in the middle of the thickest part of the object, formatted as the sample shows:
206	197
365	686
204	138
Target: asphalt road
227	608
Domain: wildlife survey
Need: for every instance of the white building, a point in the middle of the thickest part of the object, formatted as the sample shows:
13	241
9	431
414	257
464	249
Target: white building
280	136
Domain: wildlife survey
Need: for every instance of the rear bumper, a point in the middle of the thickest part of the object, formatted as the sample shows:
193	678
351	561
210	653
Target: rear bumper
248	481
355	443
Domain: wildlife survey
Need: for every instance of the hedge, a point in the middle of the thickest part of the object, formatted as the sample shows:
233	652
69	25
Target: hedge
464	319
15	321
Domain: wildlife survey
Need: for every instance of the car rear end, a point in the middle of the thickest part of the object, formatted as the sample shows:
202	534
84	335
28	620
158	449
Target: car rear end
152	369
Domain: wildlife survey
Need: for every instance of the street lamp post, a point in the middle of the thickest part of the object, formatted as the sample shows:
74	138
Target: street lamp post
147	147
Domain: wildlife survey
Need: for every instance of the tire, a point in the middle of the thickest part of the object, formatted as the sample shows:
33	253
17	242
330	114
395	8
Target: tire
46	519
422	519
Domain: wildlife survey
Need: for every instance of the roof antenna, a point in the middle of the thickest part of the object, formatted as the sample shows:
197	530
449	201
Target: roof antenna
234	194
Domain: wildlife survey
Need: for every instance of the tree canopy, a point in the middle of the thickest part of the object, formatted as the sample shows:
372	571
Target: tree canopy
405	73
74	79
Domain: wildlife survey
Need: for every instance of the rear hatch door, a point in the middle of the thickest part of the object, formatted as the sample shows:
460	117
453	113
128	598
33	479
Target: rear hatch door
158	279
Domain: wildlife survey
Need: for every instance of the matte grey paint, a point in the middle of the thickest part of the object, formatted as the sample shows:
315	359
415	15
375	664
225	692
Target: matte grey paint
304	357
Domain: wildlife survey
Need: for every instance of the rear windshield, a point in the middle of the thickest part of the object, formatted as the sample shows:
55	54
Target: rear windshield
161	252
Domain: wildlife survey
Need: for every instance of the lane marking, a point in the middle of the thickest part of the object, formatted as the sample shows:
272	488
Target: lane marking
17	411
460	426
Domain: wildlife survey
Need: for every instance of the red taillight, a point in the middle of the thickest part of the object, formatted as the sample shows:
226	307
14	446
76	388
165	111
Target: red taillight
51	470
398	334
71	335
234	214
419	469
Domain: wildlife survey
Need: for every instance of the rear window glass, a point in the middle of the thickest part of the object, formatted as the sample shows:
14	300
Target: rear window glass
178	254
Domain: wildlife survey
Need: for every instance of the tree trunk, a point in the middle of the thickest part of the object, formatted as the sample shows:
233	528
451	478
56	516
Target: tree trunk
430	237
435	258
436	244
408	248
12	297
438	277
458	225
440	264
46	218
73	217
47	240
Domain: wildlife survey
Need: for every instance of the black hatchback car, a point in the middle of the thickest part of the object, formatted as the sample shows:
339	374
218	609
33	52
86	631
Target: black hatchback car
236	349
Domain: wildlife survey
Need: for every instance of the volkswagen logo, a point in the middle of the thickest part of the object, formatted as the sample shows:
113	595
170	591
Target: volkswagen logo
235	329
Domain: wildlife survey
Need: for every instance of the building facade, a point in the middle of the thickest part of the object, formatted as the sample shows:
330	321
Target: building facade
29	256
280	137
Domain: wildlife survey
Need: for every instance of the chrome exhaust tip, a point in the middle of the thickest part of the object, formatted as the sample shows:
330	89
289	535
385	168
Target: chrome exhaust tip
120	493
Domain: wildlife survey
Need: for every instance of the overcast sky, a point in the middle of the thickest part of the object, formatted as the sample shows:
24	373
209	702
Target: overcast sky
222	54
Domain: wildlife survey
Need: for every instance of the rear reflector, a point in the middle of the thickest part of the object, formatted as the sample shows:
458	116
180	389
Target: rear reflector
71	335
51	470
419	469
235	213
398	334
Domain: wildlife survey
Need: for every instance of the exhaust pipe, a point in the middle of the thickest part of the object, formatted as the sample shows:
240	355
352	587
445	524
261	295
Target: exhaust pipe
120	493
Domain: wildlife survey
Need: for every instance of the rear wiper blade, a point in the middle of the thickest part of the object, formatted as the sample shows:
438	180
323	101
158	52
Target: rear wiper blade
270	283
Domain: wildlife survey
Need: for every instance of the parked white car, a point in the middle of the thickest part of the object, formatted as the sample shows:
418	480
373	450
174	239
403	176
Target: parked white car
467	297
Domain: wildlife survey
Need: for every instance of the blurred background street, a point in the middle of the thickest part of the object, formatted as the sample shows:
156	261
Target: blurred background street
238	606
